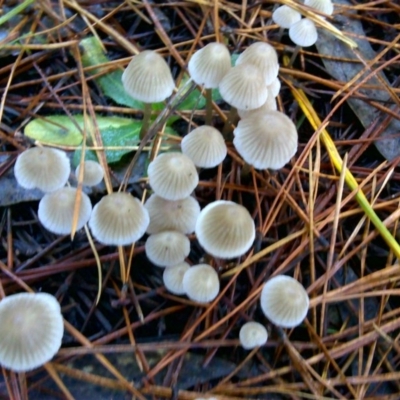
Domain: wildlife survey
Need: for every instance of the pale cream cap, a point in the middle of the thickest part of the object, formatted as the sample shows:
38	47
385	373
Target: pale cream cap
285	16
252	335
324	6
201	283
173	278
303	33
93	173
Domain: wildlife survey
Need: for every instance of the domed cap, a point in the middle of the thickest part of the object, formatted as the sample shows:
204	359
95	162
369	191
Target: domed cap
201	283
284	301
243	87
43	168
173	176
285	16
119	219
167	248
269	105
173	278
168	215
209	65
93	173
274	88
225	229
266	141
56	210
205	146
148	78
264	57
252	335
31	330
324	6
303	33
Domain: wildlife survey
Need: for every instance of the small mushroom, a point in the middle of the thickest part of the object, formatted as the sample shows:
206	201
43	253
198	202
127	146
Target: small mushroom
93	173
285	16
173	278
303	33
252	335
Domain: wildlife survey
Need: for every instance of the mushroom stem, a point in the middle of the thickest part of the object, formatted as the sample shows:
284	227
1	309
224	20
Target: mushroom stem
209	109
232	119
294	55
146	120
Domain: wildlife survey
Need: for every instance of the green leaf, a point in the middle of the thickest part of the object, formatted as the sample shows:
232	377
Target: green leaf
61	131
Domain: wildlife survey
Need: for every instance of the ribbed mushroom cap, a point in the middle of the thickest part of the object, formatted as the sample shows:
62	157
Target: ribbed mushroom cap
324	6
168	215
93	173
173	176
148	78
263	56
31	330
201	283
205	146
56	210
303	33
285	16
274	88
266	141
167	248
43	168
209	65
243	87
284	301
173	278
225	229
119	219
252	335
269	105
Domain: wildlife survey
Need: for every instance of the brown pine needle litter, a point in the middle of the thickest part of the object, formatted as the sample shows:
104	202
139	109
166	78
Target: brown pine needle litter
328	218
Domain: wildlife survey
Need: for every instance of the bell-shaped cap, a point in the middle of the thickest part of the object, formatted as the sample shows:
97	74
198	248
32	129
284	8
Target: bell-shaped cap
93	173
148	78
284	301
264	57
267	140
201	283
119	219
225	229
42	167
31	330
323	6
303	33
209	65
173	176
269	105
167	248
56	210
274	88
168	215
252	335
205	146
243	87
285	16
173	278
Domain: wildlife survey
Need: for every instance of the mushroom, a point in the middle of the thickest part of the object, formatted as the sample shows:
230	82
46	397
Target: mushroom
252	335
119	219
284	301
323	6
173	278
42	167
148	78
269	105
31	330
225	229
285	16
205	146
93	173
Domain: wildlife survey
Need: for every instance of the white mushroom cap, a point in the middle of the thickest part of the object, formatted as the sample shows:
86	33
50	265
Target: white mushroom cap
148	78
56	210
168	215
201	283
274	88
93	173
267	140
269	105
225	229
173	176
284	301
243	87
263	56
119	219
303	33
42	167
324	6
252	335
285	16
31	330
205	146
173	278
167	248
209	65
